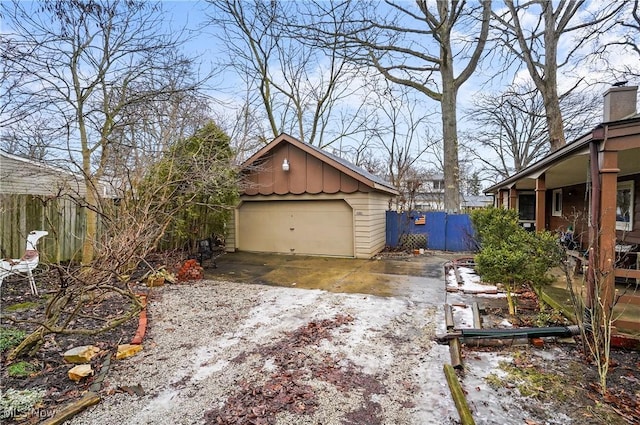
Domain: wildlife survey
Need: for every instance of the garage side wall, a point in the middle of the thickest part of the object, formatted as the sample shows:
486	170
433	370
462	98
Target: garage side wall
369	211
230	240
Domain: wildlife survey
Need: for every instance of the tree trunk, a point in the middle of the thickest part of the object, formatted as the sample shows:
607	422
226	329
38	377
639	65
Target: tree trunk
510	300
449	131
548	83
91	222
450	141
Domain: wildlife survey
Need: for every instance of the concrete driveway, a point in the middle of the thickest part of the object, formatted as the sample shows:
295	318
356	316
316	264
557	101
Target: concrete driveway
419	278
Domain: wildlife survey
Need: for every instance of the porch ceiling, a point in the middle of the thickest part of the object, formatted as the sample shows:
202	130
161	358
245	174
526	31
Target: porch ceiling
574	170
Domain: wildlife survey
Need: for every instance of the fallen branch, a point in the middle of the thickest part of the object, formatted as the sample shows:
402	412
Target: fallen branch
72	409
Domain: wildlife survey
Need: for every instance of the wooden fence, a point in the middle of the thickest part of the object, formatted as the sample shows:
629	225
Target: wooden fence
65	222
61	217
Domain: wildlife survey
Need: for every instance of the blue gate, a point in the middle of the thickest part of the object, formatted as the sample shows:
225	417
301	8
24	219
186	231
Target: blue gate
444	232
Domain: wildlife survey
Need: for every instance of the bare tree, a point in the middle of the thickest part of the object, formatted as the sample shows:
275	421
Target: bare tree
632	37
509	133
83	65
418	47
245	128
402	135
510	128
29	138
532	31
617	52
148	129
299	87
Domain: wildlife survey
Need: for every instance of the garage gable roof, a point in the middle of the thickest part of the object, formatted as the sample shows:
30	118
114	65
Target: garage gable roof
343	166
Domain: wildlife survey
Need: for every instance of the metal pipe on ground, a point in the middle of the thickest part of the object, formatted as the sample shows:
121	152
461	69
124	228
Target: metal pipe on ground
558	331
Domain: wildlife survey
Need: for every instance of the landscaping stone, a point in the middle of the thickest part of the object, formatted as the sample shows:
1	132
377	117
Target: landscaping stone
82	354
127	350
78	372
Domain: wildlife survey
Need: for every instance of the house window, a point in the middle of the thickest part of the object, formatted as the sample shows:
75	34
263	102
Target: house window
556	203
438	184
624	206
527	207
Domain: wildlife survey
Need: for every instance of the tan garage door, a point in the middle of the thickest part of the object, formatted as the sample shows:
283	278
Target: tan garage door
297	227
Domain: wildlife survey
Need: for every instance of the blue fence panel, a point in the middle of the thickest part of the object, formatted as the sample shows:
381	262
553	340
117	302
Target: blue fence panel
394	231
436	230
460	236
445	232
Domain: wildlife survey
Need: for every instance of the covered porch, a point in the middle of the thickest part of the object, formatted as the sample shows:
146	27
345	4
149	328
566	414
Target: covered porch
588	192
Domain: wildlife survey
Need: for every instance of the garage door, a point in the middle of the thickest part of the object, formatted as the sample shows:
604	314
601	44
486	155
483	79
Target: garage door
297	227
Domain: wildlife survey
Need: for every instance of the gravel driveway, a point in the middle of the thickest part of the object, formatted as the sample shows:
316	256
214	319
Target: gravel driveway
228	352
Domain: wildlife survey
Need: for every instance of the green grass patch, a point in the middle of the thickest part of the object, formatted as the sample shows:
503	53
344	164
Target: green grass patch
22	306
531	381
20	369
10	338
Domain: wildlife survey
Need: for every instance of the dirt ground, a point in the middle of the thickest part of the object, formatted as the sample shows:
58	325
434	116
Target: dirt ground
243	352
551	384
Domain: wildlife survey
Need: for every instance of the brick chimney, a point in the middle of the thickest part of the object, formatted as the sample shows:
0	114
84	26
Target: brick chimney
619	102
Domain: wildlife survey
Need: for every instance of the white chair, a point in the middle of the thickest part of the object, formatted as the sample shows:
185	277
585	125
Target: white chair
27	263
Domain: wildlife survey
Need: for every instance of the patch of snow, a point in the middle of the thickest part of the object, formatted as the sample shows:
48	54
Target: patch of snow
286	305
463	317
434	404
498	295
205	371
269	365
451	279
471	282
371	320
552	354
506	323
468	275
489	410
156	408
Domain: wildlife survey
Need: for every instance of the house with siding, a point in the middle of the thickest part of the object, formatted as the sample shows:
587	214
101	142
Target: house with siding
430	194
299	199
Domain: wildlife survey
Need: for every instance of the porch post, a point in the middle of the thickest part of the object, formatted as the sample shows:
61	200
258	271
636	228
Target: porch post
541	208
607	232
513	198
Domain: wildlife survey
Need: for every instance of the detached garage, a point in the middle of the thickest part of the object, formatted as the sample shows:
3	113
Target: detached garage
298	199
